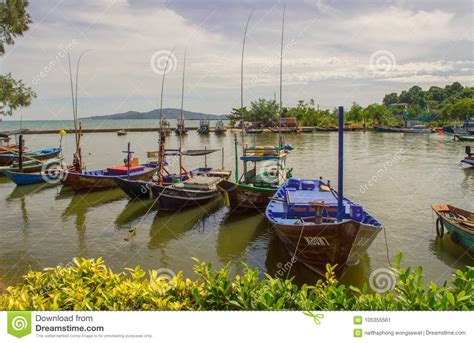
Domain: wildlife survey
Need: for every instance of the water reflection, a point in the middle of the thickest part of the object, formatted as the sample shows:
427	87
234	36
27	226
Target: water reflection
29	190
168	226
236	234
451	254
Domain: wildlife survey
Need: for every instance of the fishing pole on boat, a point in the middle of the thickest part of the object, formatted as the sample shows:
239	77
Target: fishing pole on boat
242	125
182	121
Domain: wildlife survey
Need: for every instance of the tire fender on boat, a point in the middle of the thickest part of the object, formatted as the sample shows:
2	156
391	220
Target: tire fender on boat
439	227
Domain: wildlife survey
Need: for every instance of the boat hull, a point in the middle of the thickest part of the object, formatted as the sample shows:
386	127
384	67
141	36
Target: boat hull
400	129
316	245
22	179
31	167
465	138
240	197
460	234
7	159
171	199
81	182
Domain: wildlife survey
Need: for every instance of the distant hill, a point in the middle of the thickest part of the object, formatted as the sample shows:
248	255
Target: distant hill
168	113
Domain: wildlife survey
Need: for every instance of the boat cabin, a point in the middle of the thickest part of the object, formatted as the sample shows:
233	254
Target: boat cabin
270	173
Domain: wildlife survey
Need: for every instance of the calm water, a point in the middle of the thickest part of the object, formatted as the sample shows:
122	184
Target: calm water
8	125
44	227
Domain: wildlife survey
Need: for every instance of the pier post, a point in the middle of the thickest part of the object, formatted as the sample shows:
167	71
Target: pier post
340	167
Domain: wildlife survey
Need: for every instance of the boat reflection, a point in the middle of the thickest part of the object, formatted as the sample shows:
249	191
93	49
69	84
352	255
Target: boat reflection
236	234
168	226
453	255
80	204
28	190
135	209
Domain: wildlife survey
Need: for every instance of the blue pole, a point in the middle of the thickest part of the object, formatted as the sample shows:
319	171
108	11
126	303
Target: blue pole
340	166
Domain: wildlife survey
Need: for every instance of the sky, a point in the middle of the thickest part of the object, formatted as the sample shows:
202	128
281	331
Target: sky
335	52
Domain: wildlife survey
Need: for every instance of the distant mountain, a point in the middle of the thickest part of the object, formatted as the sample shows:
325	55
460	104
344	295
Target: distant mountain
168	113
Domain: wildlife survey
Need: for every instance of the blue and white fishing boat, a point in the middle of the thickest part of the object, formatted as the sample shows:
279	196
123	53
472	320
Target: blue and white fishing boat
318	225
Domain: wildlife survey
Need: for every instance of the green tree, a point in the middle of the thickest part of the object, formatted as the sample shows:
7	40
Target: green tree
462	109
263	110
391	98
377	113
14	21
356	113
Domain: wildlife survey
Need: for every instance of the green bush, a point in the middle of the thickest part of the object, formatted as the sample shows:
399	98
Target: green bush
91	285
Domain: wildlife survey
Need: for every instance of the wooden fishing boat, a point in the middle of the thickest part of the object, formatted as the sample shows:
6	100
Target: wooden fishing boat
395	129
458	222
253	130
22	178
469	159
319	226
220	128
304	215
8	159
325	128
469	138
141	190
104	178
307	129
203	127
31	166
255	188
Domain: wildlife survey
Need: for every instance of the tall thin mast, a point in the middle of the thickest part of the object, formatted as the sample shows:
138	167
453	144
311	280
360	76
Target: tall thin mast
182	118
280	143
242	81
162	133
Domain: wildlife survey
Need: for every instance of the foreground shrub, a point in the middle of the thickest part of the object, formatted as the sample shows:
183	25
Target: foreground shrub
91	285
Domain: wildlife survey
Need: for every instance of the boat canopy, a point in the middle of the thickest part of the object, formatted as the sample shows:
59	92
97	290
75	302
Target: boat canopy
263	153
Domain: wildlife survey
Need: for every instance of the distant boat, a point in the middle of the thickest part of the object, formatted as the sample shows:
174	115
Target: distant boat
469	138
253	130
203	127
413	129
121	133
458	222
304	215
326	128
220	128
469	159
307	129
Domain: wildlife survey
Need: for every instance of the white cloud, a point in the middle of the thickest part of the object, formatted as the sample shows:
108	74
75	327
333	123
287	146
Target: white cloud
116	74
